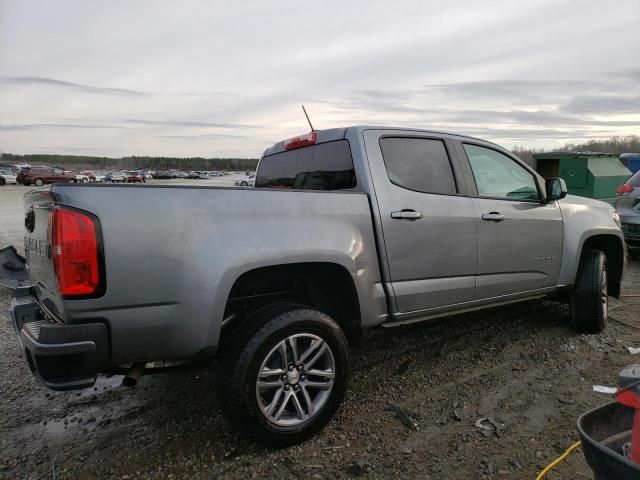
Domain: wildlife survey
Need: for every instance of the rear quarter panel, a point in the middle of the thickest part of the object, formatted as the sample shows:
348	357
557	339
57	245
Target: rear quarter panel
172	255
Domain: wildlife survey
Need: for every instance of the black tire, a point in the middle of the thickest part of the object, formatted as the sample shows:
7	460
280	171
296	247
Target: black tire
589	302
251	346
244	184
38	182
634	254
2	181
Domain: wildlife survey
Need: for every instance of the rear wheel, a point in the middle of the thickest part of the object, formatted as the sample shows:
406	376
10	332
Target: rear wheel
284	374
39	182
589	302
2	181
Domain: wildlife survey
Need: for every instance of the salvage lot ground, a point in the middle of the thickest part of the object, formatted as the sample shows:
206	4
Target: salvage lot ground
521	366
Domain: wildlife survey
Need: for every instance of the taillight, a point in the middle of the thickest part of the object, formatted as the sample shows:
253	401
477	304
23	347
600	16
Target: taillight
300	141
76	257
624	189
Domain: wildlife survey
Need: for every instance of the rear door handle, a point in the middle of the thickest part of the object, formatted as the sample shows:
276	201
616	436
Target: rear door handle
493	217
406	214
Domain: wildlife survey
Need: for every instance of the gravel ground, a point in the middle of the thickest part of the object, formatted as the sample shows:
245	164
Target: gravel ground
520	365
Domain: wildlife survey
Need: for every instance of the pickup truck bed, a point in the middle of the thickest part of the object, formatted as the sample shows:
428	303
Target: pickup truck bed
196	243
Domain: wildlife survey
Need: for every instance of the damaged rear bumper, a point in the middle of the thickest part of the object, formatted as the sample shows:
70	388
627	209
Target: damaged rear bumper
62	357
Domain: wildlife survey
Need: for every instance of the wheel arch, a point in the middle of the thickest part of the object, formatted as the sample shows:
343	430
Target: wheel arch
326	286
613	248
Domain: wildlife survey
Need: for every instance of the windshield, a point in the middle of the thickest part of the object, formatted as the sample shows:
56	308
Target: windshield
634	181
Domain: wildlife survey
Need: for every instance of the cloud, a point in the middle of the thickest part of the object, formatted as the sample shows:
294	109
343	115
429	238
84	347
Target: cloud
183	123
52	82
182	81
610	104
531	133
202	137
33	126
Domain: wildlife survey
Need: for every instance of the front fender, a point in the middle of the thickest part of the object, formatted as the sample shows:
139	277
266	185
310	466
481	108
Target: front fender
584	219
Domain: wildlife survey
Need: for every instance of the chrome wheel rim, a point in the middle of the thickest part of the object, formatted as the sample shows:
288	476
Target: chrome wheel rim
295	380
604	294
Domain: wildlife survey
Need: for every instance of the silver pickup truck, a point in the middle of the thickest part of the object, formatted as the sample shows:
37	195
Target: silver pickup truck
345	230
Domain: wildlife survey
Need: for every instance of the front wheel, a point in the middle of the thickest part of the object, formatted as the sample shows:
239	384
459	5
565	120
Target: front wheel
589	302
39	182
285	374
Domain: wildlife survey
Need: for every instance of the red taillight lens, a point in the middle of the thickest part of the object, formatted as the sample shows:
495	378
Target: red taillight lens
75	253
624	189
300	141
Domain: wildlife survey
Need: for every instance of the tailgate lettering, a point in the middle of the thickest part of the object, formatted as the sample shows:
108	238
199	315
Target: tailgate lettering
39	247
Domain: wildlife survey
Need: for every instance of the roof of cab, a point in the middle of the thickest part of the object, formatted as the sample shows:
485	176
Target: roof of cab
332	134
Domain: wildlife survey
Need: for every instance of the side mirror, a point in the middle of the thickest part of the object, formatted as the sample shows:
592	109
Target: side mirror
556	189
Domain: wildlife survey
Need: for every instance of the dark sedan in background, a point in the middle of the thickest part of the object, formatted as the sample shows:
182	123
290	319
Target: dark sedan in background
628	207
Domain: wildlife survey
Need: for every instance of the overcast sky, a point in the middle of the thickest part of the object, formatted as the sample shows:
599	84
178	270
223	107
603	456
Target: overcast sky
216	78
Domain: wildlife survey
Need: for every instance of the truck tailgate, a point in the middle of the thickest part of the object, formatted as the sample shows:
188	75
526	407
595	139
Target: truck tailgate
38	206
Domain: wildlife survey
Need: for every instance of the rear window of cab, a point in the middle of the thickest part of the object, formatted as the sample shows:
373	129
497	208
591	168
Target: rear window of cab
324	166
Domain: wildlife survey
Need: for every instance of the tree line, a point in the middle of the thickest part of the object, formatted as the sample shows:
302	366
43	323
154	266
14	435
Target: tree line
616	145
82	162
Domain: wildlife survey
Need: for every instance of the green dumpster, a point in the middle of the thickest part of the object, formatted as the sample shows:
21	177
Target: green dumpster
593	175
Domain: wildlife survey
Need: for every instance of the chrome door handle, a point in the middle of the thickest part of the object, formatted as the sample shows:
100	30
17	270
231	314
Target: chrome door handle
406	214
493	217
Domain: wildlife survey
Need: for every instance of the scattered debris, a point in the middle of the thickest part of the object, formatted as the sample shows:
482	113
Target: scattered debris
404	417
333	447
484	424
633	350
488	426
291	466
603	389
404	366
360	467
566	398
516	462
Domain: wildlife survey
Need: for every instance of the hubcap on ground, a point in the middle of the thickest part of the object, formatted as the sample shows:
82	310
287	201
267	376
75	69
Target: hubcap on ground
295	379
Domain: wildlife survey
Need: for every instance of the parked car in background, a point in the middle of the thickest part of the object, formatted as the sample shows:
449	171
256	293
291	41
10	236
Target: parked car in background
246	181
116	177
99	177
628	207
7	176
134	177
90	175
38	176
79	177
163	174
204	176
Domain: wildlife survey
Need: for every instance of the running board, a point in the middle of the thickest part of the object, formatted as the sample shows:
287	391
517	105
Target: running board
457	312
